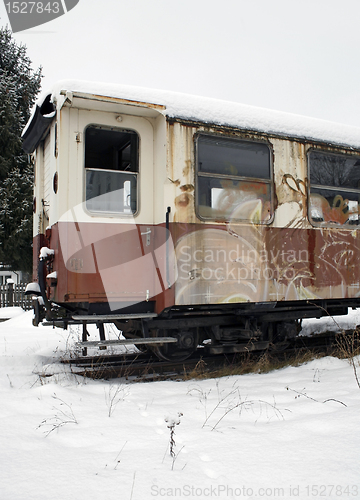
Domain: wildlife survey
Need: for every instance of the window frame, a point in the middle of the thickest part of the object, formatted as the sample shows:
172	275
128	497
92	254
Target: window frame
103	213
330	224
269	181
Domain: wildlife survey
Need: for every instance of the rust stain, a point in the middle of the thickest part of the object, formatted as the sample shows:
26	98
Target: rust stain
187	187
186	170
311	238
171	152
184	207
177	182
182	200
142	104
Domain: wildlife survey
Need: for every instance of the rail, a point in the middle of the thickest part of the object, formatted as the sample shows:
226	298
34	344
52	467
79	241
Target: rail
14	295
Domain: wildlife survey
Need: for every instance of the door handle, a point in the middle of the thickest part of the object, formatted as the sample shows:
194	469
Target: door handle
147	234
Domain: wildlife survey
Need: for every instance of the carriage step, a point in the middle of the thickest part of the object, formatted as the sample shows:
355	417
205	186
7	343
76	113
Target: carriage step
101	343
108	318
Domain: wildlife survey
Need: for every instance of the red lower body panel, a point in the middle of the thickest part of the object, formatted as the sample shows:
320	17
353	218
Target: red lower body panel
123	265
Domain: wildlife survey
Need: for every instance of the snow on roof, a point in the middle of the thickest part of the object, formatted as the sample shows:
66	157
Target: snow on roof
219	112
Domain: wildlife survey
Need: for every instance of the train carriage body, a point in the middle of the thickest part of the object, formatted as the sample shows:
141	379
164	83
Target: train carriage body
191	218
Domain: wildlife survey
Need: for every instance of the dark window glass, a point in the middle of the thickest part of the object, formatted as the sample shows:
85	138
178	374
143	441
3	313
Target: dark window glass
232	157
111	163
233	180
334	189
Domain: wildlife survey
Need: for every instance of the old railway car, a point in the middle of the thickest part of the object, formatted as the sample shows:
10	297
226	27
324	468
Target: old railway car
188	221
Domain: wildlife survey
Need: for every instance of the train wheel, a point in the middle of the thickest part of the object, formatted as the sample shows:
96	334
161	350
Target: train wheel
187	342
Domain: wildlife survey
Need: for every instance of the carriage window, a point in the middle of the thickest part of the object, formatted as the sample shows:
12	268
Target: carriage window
112	165
334	189
233	180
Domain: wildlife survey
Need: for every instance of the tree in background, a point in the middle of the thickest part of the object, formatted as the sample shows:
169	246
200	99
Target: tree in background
19	86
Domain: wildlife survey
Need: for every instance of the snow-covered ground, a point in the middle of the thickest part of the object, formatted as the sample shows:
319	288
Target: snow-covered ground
292	433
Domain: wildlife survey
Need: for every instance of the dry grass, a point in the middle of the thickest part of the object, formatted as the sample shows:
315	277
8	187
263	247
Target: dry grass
251	363
348	344
348	347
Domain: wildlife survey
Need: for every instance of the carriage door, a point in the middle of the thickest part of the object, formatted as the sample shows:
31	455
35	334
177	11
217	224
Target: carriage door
119	199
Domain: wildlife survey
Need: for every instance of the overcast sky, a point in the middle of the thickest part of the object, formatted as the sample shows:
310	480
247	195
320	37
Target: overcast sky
300	56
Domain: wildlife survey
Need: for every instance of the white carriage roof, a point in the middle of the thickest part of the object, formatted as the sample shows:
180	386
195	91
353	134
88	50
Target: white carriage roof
220	112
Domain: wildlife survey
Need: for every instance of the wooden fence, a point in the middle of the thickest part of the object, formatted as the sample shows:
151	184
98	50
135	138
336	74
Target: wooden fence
14	295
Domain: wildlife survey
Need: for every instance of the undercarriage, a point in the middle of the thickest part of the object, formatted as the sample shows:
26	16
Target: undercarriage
178	332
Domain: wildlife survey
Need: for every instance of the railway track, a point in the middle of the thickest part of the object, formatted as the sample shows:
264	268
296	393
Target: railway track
147	367
134	366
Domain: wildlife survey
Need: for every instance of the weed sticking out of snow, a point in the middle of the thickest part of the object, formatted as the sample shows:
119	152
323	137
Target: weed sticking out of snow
348	347
171	422
228	401
114	394
64	415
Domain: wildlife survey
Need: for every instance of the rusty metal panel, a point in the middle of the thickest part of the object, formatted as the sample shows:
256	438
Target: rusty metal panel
233	262
180	171
250	263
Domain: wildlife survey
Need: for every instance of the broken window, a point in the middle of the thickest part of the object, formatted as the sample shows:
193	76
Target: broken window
334	188
233	179
112	166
